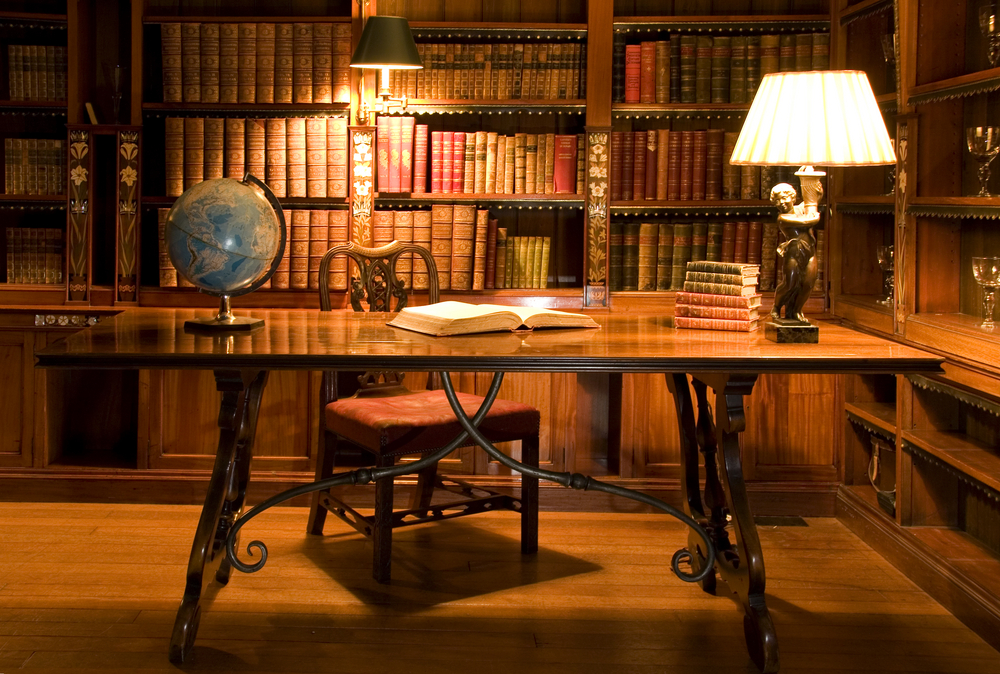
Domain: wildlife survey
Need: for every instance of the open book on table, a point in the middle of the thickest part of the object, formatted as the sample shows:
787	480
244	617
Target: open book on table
460	318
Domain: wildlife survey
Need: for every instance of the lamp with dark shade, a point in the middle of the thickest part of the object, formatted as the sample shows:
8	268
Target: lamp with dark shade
386	44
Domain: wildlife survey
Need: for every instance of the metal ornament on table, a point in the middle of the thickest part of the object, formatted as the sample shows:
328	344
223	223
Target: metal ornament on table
983	143
227	239
886	263
986	270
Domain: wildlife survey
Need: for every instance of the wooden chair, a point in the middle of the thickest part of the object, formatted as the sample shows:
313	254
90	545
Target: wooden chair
390	421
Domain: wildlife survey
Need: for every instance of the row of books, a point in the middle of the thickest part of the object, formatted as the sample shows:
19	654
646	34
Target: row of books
660	164
709	69
654	256
296	157
555	71
34	166
36	72
256	62
718	296
34	255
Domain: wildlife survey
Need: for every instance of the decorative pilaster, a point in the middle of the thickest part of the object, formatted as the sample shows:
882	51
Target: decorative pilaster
78	220
598	201
362	183
127	253
904	243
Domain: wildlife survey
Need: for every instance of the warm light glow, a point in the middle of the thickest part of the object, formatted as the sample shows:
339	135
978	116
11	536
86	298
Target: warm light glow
820	118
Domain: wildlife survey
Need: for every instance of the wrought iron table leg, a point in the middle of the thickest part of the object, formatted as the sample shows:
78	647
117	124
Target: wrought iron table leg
241	393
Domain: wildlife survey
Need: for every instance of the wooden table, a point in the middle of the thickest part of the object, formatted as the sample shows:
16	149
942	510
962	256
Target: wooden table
729	363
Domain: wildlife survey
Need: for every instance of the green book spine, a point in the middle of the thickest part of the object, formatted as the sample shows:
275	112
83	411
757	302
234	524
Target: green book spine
718	288
786	53
721	59
803	52
529	263
770	55
500	270
681	256
630	256
664	255
648	255
699	241
713	251
615	255
753	66
821	51
688	68
724	268
675	68
703	70
738	70
662	72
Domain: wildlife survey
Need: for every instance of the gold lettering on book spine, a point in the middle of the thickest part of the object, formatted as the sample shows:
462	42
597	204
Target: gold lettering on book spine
598	195
361	185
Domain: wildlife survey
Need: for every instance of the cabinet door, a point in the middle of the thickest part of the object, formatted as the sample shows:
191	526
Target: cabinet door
16	398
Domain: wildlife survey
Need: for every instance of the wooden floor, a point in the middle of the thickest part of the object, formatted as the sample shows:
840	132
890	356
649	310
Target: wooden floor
93	588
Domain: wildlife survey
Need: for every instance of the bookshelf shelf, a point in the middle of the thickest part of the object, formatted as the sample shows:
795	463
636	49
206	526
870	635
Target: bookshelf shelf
962	86
32	198
153	20
763	23
477	107
873	204
21	18
287	202
969	456
882	415
865	311
714	207
637	110
957	334
862	9
955	207
58	107
452	30
262	109
540	201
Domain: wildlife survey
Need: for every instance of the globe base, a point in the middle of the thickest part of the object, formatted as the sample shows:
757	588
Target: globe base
223	325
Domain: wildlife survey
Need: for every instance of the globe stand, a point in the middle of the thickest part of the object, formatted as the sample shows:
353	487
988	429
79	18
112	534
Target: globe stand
224	321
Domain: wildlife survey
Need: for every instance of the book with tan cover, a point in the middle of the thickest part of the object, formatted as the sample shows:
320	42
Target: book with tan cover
462	246
441	231
460	318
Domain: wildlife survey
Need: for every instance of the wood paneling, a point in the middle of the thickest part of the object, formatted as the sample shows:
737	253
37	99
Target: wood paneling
16	398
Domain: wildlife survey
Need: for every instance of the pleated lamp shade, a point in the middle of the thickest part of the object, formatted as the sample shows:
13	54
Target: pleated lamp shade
386	43
816	118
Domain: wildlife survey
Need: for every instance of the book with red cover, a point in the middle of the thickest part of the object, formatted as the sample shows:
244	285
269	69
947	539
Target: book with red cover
491	253
647	72
687	165
406	155
699	165
437	160
617	152
565	164
662	166
447	160
382	149
742	241
628	165
419	159
651	163
639	170
754	241
633	72
395	151
458	162
729	242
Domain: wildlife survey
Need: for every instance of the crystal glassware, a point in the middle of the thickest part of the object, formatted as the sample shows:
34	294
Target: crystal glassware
987	273
983	142
889	54
990	28
886	264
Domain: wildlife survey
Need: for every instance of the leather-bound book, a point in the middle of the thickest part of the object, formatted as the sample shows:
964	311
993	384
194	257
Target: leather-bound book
265	65
236	159
786	53
215	148
688	68
419	159
402	231
302	63
170	55
768	179
284	62
703	70
738	70
479	249
491	162
298	242
730	172
503	259
617	155
687	165
469	170
421	237
281	278
246	89
648	251
630	256
565	165
337	234
675	68
489	282
639	165
615	254
479	184
699	241
319	242
820	257
449	71
296	152
190	63
501	165
749	182
628	165
633	72
463	246
803	52
517	65
579	68
510	157
820	51
540	164
647	72
458	162
674	161
209	50
728	242
721	63
316	166
681	256
770	55
487	75
520	162
617	67
441	241
407	125
194	151
323	63
661	74
664	255
742	242
168	275
768	254
527	68
256	133
715	140
382	223
754	239
651	162
447	161
173	157
550	162
753	67
530	162
542	262
383	146
662	164
526	261
713	247
336	157
341	63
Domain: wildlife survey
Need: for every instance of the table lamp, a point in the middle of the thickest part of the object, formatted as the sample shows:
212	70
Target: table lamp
386	44
807	119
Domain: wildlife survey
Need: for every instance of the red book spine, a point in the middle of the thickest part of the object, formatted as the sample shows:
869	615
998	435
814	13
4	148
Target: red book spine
652	152
674	166
406	155
647	72
754	242
395	151
639	171
447	160
729	242
382	148
628	165
742	241
491	253
437	161
617	139
565	165
420	159
699	165
687	164
458	163
633	70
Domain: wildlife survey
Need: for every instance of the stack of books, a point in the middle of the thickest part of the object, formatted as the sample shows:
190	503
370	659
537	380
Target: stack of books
719	296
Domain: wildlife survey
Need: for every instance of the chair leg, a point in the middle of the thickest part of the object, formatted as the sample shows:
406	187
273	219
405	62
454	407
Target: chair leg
425	488
382	526
324	468
529	498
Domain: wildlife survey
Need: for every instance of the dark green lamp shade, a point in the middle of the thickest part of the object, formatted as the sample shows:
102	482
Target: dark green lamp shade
386	42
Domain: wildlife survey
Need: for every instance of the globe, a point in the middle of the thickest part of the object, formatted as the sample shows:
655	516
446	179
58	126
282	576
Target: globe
222	235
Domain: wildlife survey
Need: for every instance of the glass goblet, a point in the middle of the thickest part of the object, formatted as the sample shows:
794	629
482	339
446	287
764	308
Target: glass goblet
886	264
983	143
990	28
987	273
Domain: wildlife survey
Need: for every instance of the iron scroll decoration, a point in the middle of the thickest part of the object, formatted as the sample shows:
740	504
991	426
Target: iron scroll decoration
470	426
